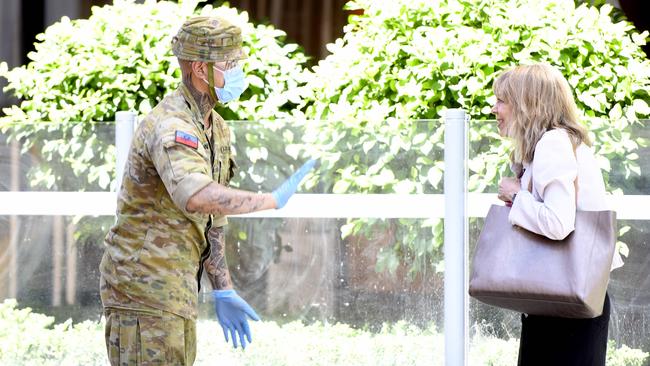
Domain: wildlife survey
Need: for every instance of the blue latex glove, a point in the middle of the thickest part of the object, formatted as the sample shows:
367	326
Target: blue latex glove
233	313
288	188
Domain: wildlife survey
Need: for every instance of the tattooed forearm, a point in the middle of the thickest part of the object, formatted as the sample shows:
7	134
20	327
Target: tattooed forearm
219	200
216	266
203	100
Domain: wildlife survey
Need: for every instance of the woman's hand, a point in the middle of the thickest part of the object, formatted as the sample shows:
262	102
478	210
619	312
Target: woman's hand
508	187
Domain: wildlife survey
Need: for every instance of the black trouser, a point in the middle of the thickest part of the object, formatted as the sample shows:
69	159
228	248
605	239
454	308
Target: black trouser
547	340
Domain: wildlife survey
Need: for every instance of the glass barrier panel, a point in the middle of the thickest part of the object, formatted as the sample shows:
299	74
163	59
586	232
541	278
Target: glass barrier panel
355	277
360	289
403	157
55	157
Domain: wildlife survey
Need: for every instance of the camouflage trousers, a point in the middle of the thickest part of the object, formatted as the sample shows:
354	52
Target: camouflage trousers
143	337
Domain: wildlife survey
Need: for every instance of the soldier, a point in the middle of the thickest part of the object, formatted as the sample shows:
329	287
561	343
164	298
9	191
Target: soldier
171	210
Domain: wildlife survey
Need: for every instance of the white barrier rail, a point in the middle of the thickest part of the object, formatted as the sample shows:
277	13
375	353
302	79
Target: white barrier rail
628	207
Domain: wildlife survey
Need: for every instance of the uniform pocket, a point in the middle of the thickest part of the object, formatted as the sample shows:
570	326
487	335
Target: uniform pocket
125	344
222	169
159	246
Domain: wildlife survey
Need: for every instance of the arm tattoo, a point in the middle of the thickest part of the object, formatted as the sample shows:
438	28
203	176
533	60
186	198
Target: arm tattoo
216	266
219	200
202	99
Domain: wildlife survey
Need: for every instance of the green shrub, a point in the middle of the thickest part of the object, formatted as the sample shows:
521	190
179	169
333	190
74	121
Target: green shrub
405	60
625	356
28	338
83	71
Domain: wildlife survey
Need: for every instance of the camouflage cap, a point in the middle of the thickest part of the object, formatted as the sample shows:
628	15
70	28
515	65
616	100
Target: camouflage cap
208	39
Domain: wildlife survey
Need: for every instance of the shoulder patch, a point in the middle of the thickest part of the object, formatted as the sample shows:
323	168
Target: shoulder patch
187	139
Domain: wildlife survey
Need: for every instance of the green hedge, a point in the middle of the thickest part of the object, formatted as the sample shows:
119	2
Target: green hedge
28	338
413	59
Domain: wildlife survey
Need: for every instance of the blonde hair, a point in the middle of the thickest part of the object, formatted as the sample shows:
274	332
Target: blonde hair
540	100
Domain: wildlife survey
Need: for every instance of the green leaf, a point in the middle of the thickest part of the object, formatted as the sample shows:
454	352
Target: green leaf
622	248
385	177
388	261
341	186
434	176
641	107
623	230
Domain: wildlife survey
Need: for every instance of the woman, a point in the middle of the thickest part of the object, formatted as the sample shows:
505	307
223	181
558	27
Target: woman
553	159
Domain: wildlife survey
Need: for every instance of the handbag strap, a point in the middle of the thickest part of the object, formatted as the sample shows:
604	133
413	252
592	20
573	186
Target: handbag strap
575	181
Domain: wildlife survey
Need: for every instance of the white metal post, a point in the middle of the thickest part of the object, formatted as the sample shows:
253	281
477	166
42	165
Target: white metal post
124	127
455	246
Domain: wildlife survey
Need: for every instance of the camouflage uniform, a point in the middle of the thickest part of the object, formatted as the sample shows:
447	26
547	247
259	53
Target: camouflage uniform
154	255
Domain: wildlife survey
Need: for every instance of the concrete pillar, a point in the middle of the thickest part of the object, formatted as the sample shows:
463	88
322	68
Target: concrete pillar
10	36
326	26
55	9
57	259
71	265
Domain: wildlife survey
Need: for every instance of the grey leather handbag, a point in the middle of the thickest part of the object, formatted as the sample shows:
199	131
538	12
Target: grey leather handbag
516	269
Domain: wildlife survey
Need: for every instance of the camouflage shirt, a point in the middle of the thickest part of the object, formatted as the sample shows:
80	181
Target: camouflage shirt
155	249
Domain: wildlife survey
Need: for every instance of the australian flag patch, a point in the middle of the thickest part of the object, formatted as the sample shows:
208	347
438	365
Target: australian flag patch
187	139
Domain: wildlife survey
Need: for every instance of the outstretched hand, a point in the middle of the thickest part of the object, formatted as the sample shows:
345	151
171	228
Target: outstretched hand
233	313
288	188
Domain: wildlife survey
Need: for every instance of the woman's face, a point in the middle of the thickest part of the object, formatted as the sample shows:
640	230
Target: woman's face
503	111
